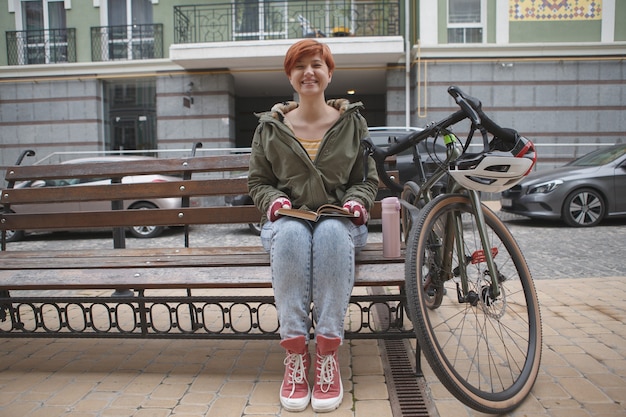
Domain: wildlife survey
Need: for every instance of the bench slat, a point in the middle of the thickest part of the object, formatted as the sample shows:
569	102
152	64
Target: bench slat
169	166
172	278
370	247
108	192
161	258
128	218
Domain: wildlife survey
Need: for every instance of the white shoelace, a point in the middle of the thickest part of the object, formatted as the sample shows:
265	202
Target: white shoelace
327	371
297	374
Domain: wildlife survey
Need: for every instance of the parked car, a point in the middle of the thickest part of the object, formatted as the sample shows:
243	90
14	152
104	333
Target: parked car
580	193
137	231
431	155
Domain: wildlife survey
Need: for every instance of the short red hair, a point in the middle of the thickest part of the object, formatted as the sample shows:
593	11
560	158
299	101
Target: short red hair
308	47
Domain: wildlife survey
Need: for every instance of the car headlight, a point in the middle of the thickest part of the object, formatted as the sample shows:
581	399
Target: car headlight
545	187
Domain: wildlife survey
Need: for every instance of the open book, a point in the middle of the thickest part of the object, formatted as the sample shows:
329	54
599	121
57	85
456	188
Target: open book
324	211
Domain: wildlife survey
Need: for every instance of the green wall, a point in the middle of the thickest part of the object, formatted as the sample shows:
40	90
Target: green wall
572	31
620	20
82	16
442	25
7	22
163	12
491	21
538	32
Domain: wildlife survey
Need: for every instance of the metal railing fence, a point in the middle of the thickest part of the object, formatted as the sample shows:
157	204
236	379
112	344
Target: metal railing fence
126	42
42	46
271	19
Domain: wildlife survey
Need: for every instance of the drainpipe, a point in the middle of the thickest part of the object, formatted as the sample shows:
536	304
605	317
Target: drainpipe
407	65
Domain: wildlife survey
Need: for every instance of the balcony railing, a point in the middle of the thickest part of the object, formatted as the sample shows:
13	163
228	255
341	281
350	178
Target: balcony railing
43	46
271	19
115	43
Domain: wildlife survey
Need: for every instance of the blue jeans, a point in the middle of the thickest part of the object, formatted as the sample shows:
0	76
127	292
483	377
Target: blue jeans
312	262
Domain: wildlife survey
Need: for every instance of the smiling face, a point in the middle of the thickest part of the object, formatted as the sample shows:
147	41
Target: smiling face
310	75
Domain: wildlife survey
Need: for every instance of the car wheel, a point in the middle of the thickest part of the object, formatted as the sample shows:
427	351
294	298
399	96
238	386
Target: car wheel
583	208
145	232
14	235
255	228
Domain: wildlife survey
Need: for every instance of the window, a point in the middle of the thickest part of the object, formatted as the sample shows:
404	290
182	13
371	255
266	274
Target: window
465	21
259	19
45	31
131	32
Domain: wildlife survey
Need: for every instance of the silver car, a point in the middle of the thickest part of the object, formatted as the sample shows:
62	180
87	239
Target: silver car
581	193
137	231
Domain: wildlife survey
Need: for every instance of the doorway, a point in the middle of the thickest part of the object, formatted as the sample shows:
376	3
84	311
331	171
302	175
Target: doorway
130	115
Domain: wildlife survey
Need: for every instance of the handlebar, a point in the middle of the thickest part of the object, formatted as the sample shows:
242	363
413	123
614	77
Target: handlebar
469	105
470	108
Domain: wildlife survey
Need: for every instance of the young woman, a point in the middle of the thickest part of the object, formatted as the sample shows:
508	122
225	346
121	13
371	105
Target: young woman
306	154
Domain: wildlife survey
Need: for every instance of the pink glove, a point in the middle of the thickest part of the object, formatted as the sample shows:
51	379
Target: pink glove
279	203
359	210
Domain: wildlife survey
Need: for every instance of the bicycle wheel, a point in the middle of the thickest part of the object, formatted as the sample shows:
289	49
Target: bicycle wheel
485	350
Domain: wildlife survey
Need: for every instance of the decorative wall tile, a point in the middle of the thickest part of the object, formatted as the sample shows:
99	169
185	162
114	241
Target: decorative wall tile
554	10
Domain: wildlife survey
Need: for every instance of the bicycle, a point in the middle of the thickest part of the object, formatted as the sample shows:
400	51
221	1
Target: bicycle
470	293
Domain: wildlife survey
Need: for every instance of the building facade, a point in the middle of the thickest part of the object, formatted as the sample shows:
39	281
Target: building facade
119	75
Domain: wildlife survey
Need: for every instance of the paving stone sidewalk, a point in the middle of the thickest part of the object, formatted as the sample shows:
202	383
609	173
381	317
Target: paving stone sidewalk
583	368
581	283
583	371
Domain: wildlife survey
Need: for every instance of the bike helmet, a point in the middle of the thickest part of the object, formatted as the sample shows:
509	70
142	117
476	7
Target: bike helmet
499	168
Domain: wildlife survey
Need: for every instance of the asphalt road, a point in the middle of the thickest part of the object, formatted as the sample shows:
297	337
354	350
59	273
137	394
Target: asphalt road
552	249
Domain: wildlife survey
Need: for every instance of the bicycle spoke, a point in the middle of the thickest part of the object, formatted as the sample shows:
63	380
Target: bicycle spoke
484	348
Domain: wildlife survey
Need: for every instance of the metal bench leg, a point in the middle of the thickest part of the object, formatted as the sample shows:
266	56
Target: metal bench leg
193	314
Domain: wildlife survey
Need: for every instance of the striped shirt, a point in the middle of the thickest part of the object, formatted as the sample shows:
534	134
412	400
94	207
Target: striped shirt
311	146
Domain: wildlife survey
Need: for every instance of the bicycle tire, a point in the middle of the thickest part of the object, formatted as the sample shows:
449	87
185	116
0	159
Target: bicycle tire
409	194
488	354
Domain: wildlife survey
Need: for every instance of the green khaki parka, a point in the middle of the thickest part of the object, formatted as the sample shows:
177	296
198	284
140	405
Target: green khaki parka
280	166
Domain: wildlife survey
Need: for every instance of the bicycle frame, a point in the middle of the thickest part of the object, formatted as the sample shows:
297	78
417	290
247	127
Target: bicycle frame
455	228
425	191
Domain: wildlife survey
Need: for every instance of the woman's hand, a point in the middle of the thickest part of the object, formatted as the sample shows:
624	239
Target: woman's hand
279	203
359	210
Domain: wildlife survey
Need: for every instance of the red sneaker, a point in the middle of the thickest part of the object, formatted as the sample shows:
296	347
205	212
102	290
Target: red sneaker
328	389
295	392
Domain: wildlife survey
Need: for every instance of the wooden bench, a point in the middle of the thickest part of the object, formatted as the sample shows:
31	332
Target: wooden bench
180	291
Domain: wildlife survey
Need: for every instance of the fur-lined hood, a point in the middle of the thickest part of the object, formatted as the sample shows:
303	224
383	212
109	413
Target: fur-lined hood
279	110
